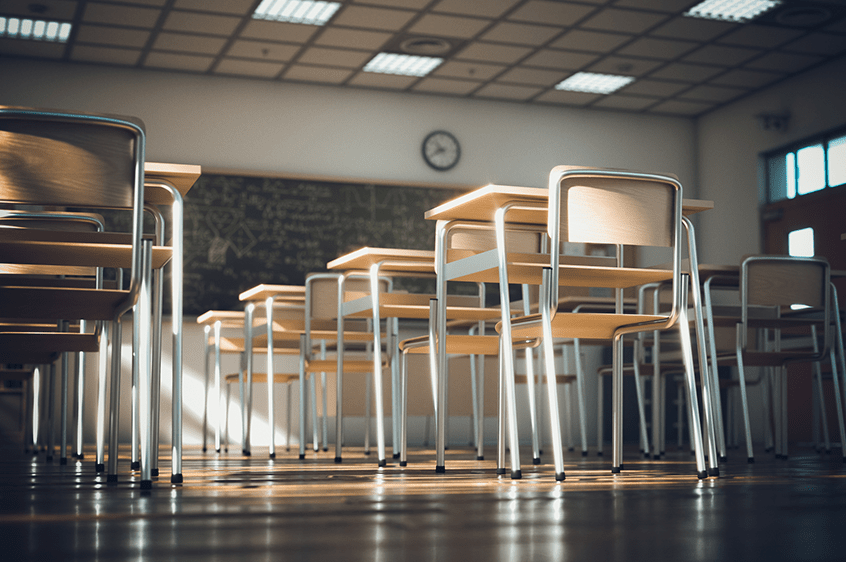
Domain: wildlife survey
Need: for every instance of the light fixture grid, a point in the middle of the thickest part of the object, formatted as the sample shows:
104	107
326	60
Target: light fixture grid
738	11
594	83
403	65
307	12
34	30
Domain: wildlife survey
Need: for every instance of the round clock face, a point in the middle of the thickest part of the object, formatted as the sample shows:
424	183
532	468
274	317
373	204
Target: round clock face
441	150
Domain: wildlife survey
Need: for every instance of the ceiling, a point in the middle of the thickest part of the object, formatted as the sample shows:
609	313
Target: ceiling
513	50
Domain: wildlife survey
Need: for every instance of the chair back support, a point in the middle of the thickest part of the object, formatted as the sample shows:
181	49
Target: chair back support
772	281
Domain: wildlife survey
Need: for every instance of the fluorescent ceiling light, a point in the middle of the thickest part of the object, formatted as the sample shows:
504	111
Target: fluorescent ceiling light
35	30
594	83
296	11
405	65
731	10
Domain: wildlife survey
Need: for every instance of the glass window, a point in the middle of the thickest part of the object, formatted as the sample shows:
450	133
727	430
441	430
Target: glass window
837	162
790	174
800	243
811	163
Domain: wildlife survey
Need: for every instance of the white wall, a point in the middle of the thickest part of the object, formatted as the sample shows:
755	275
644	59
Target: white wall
730	142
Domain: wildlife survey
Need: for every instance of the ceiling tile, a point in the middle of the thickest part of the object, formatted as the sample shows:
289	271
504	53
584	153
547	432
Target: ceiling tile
744	77
625	65
836	27
490	52
532	76
449	26
41	49
172	61
187	43
262	50
383	81
130	16
319	74
818	44
712	93
206	23
567	98
446	86
763	36
120	36
469	70
352	38
632	103
627	21
693	29
657	88
665	49
669	6
278	31
411	4
159	3
55	9
335	57
675	107
107	55
367	17
593	41
253	68
507	91
488	8
783	62
562	60
240	7
687	72
560	13
722	55
520	33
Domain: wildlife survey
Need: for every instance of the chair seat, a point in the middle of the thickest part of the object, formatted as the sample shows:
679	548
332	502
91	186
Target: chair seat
580	324
43	302
262	377
455	345
331	365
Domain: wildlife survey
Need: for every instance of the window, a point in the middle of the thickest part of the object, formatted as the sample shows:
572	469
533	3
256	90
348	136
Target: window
810	166
800	243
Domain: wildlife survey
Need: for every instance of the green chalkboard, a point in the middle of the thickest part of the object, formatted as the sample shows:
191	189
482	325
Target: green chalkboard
243	230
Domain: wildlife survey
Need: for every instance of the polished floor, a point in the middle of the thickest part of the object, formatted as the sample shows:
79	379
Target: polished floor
235	508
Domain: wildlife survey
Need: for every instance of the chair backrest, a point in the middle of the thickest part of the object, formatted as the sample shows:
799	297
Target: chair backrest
67	159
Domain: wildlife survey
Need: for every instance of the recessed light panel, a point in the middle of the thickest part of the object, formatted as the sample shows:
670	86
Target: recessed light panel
404	65
34	30
296	11
594	83
731	10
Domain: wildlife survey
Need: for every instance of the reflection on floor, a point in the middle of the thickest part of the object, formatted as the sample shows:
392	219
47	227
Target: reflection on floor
236	508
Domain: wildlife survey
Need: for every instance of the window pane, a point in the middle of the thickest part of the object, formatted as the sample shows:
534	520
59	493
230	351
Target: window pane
800	243
811	163
776	178
790	174
837	162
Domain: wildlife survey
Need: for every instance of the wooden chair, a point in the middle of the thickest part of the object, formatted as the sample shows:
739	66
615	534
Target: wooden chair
608	207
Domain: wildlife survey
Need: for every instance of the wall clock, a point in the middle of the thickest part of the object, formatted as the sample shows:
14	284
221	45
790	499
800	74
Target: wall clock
441	150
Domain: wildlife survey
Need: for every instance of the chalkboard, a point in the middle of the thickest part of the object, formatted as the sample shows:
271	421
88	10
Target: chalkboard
241	231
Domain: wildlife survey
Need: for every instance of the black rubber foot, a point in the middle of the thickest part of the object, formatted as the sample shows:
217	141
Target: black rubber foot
584	453
702	475
154	472
176	479
570	449
723	459
599	453
440	470
615	469
302	456
111	478
559	476
483	458
63	460
205	450
714	472
396	455
226	449
751	460
246	452
273	455
49	458
366	452
383	463
146	484
80	456
35	452
768	449
99	467
500	471
516	474
405	463
135	465
536	461
693	453
446	448
540	452
217	451
338	459
655	457
646	455
325	449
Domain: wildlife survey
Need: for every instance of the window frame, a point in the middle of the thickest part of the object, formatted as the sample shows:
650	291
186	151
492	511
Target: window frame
794	147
